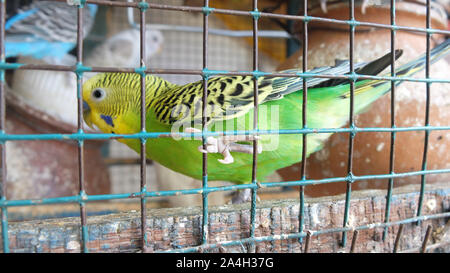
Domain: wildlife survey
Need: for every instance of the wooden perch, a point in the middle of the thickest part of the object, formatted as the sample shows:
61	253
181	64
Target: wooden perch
174	229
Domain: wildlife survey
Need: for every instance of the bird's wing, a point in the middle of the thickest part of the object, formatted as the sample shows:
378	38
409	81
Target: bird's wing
232	96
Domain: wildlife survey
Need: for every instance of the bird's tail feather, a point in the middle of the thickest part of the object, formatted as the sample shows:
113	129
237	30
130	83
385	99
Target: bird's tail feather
415	66
404	71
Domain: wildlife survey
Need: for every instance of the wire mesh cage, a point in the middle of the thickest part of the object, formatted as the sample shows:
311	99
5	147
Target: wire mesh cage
202	44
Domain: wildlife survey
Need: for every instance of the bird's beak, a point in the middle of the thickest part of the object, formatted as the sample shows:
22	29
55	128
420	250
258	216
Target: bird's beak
87	114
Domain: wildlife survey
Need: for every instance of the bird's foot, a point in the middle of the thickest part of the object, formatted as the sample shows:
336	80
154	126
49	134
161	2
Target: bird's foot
226	144
243	196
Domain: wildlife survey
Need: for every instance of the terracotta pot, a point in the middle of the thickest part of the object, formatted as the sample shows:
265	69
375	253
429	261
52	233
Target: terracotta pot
371	150
43	169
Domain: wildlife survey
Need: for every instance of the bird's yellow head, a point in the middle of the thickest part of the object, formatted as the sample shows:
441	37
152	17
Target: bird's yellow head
107	97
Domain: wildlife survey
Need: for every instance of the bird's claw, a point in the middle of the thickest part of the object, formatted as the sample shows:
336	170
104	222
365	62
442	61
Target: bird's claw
243	196
364	5
226	144
323	6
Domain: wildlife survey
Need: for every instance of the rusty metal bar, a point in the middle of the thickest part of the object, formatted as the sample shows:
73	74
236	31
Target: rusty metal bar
14	66
427	110
304	116
397	238
307	240
355	237
393	134
143	152
423	249
4	210
256	15
351	122
204	125
91	136
82	188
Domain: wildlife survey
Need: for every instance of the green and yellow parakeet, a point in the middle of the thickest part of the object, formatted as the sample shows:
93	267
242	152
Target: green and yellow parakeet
112	103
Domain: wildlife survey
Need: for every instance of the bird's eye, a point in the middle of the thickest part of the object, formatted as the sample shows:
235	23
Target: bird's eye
98	94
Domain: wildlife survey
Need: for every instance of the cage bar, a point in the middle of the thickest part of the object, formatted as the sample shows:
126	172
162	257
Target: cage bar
392	144
397	238
83	217
5	238
354	238
351	122
255	123
304	116
204	125
143	162
307	240
423	249
427	109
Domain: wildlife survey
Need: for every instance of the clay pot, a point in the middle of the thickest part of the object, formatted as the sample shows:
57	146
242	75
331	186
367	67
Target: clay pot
371	150
43	169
